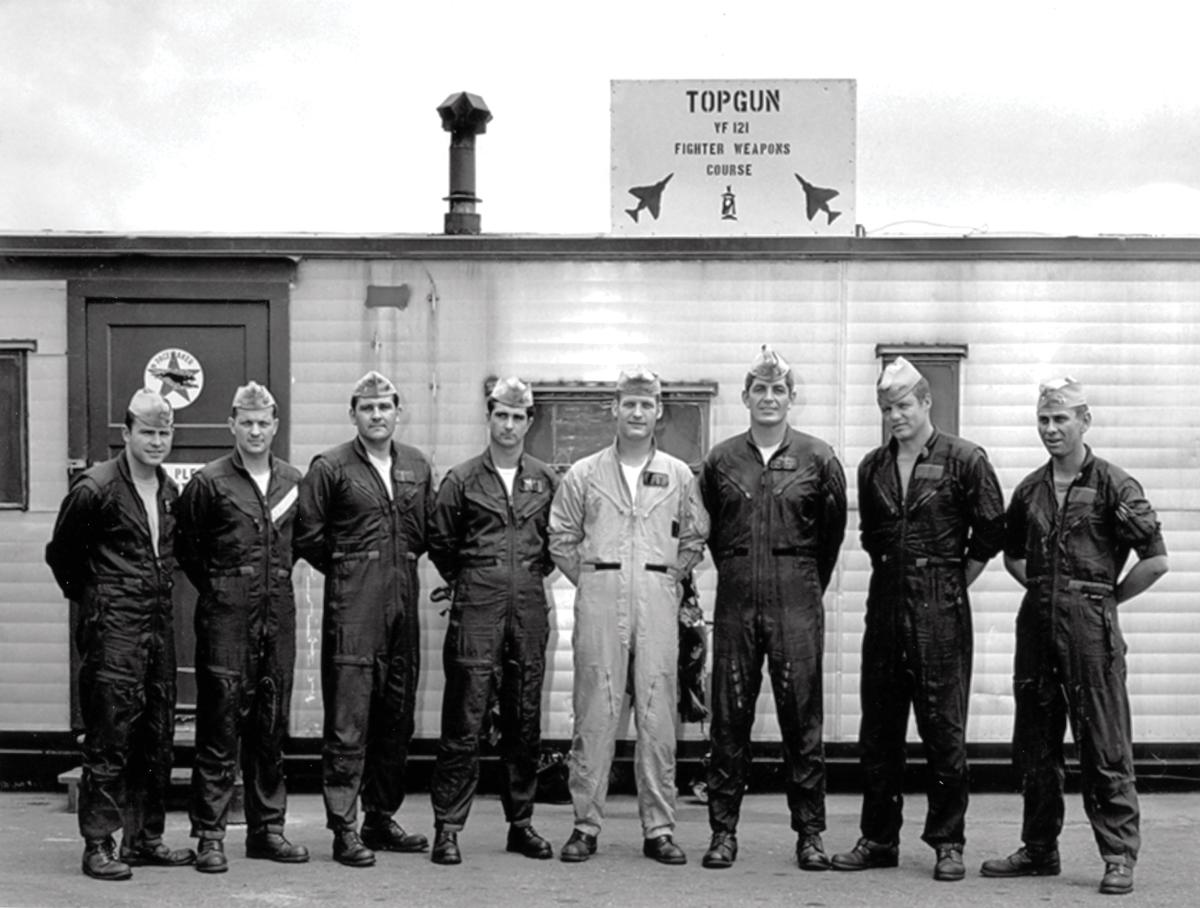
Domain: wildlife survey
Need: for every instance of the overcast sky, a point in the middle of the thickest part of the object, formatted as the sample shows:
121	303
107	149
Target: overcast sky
237	116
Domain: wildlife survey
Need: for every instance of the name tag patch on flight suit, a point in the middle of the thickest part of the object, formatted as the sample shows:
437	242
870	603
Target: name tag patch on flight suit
786	463
928	471
531	484
657	480
405	476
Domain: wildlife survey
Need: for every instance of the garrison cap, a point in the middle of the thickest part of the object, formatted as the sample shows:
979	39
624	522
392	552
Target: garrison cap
640	381
151	408
1060	394
512	392
253	397
374	385
897	381
769	366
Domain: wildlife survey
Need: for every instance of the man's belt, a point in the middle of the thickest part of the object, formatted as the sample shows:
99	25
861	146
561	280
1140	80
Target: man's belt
937	562
1098	587
477	562
616	566
793	550
1090	586
779	551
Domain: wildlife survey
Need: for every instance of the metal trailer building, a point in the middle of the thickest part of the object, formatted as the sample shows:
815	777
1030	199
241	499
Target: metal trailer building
84	317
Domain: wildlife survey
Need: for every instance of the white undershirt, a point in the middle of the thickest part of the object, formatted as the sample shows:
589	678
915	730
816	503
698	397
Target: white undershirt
383	466
262	480
147	490
767	452
633	476
508	475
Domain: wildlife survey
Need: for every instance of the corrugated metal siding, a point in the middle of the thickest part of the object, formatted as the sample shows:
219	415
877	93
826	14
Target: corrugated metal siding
1130	332
1127	329
34	652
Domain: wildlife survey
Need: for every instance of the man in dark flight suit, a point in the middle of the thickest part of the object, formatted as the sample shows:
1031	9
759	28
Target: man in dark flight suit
488	538
112	551
932	516
1071	527
364	506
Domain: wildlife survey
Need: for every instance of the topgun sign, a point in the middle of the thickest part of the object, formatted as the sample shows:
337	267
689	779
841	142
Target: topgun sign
717	158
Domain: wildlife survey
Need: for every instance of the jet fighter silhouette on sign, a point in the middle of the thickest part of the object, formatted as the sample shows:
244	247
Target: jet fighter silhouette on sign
175	378
817	199
649	197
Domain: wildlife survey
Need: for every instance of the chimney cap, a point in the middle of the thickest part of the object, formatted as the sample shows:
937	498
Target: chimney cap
464	112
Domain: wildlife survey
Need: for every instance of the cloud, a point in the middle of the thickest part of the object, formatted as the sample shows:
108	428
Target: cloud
276	116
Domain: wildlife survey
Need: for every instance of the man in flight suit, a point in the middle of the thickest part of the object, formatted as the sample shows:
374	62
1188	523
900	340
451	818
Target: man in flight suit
234	542
112	552
488	539
776	500
363	511
626	525
932	516
1071	526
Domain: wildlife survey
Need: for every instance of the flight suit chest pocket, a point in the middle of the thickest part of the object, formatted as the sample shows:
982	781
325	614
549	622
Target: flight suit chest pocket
797	494
790	480
1082	507
481	500
405	485
734	485
243	510
932	485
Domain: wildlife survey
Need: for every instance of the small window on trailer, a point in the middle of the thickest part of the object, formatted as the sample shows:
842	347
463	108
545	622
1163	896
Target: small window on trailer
571	421
14	424
941	366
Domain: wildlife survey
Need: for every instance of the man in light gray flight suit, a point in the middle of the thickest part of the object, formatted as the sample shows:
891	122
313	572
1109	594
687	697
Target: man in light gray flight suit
626	525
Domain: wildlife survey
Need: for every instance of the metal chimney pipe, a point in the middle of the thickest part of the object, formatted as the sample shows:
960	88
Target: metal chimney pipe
464	116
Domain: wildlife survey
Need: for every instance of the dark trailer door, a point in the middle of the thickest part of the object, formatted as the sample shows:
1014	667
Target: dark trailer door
195	351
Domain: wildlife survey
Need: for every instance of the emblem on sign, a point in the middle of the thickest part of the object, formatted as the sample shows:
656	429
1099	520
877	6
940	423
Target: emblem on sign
177	375
728	204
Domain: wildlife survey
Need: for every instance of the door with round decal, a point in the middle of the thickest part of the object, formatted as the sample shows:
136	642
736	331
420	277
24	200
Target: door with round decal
195	353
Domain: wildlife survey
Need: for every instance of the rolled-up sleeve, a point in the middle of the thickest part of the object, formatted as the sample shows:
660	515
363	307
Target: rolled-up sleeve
1137	524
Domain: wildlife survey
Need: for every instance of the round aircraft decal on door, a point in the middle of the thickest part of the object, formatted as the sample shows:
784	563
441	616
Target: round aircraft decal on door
176	375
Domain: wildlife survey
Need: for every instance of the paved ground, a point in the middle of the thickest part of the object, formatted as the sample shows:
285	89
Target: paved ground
40	850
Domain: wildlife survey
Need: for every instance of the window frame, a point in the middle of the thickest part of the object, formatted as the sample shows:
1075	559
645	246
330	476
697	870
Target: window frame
948	355
17	351
701	393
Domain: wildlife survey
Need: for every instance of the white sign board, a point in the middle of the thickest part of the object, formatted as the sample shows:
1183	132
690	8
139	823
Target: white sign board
733	158
181	472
